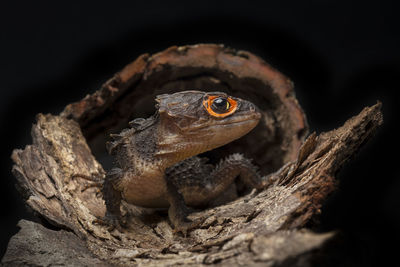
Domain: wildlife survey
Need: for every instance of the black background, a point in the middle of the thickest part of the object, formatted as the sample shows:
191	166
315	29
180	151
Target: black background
341	55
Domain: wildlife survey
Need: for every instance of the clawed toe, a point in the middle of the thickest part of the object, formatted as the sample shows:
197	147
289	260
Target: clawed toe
112	222
185	226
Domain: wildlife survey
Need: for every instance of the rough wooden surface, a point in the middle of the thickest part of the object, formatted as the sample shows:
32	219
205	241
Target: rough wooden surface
35	245
260	228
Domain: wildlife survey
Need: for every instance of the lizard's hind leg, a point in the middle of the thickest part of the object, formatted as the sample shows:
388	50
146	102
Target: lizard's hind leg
112	197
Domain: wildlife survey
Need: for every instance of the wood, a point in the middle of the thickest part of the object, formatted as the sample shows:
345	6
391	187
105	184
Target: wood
263	228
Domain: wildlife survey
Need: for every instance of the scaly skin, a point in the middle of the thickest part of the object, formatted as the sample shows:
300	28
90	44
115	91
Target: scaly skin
156	158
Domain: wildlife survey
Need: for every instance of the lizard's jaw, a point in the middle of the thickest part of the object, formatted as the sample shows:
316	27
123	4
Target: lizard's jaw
246	119
219	133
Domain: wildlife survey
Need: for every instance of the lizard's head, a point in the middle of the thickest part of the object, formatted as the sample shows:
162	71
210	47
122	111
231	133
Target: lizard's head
194	122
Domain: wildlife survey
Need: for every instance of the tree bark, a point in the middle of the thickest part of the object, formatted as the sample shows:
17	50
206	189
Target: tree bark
265	228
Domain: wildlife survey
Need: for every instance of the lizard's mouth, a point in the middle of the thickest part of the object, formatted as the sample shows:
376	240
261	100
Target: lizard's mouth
241	118
232	127
244	119
238	120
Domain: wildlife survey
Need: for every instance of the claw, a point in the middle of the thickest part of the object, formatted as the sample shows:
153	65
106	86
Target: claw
112	221
96	180
183	226
94	184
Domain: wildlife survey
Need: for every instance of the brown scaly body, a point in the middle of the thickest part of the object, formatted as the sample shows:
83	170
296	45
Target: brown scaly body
156	157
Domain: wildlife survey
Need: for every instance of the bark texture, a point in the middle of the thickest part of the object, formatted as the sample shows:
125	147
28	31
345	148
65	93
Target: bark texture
259	228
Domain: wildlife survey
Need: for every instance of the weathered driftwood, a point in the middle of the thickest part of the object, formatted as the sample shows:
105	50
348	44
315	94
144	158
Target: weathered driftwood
258	228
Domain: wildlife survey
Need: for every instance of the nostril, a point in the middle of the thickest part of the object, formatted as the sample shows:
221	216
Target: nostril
252	107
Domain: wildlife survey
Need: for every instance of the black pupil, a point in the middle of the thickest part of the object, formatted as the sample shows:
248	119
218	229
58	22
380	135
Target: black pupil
220	105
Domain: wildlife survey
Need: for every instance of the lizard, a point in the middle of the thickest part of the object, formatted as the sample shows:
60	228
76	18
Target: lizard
156	162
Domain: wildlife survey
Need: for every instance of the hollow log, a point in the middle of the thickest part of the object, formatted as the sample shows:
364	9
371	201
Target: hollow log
266	227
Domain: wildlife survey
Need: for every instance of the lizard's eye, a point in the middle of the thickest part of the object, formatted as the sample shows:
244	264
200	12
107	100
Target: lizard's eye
220	106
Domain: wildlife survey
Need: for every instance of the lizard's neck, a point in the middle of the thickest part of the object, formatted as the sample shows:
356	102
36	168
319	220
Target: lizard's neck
161	147
149	149
172	148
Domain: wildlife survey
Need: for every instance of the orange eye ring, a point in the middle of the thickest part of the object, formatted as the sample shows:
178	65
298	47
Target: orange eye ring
230	108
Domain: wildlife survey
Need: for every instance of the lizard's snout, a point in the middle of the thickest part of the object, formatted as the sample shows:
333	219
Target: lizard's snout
255	110
251	110
257	115
252	107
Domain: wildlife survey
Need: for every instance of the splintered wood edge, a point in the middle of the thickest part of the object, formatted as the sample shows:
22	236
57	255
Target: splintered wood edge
231	232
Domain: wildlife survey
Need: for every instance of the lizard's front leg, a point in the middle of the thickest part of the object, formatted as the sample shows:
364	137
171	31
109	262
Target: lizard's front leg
178	211
225	173
237	165
194	182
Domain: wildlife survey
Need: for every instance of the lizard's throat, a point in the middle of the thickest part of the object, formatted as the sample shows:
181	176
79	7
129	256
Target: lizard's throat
172	151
